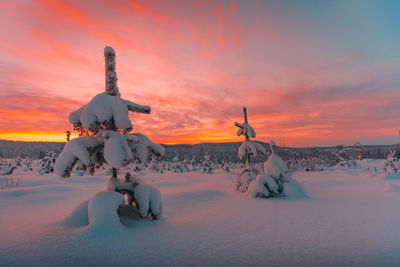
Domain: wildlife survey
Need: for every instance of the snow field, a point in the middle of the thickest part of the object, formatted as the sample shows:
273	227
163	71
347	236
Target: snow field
351	218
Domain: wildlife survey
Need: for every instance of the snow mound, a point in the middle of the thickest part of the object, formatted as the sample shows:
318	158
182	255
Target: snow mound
74	150
100	213
103	211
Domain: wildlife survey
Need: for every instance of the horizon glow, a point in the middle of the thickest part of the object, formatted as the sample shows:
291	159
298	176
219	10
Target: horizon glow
313	73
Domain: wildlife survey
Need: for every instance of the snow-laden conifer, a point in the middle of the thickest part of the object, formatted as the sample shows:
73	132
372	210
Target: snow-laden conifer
248	150
105	119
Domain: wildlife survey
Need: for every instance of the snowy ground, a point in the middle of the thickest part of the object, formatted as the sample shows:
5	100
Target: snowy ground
351	219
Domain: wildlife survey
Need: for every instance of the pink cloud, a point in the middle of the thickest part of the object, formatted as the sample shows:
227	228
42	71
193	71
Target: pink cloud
196	63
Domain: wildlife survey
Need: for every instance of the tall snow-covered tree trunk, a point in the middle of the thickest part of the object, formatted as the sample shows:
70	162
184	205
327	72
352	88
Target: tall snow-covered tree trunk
246	136
111	75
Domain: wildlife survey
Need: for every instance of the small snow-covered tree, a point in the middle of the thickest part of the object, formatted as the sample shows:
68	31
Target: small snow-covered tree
276	180
206	166
47	163
391	164
104	125
247	151
177	164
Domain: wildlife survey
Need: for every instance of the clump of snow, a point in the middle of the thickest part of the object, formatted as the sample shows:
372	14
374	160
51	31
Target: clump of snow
109	51
143	147
149	201
117	152
275	166
103	109
74	150
250	148
263	187
245	129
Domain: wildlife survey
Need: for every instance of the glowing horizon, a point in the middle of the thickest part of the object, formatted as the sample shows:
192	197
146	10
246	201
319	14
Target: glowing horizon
310	74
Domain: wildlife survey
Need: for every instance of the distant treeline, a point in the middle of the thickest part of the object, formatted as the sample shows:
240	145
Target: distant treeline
218	151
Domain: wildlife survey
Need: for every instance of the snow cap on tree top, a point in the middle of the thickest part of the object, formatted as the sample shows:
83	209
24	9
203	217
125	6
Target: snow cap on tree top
108	50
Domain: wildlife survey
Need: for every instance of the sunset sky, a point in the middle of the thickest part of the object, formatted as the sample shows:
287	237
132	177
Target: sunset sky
310	72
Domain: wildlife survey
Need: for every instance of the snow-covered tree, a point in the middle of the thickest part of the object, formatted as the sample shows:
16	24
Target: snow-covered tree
247	151
206	166
391	164
104	125
177	164
276	180
47	163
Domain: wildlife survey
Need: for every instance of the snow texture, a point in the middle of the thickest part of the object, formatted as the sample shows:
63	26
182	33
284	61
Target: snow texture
74	150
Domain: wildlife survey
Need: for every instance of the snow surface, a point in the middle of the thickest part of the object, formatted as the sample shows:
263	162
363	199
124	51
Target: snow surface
351	219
